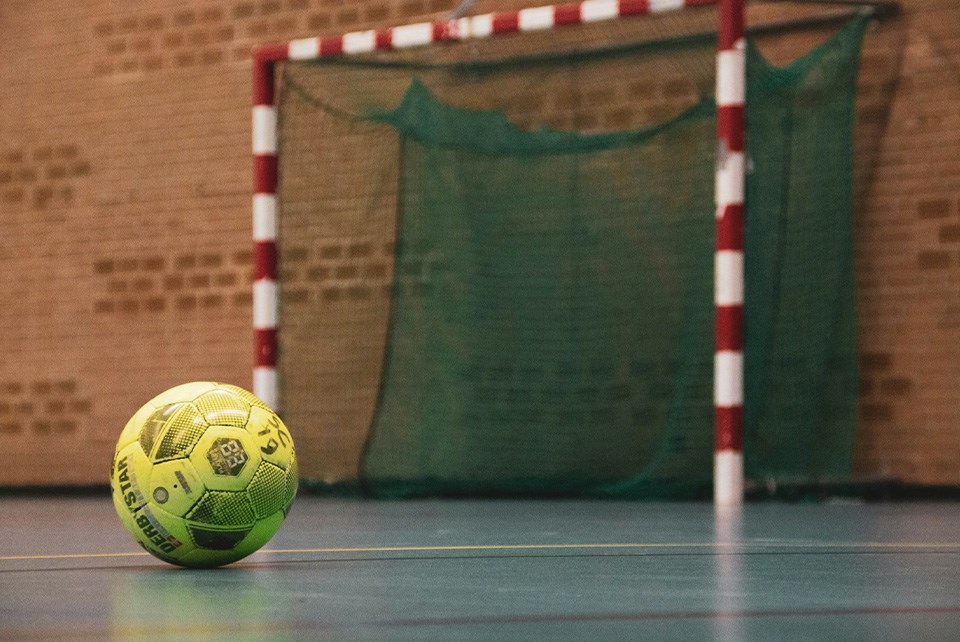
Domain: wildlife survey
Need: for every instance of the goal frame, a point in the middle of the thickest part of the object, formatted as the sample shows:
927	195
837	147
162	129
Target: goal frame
728	190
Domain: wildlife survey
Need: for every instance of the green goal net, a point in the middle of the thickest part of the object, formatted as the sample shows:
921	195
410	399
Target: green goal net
496	265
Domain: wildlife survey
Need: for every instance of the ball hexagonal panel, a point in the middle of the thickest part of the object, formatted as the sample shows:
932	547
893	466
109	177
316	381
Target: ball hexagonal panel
223	508
229	516
223	408
227	456
183	392
182	433
271	437
268	489
155	423
217	540
293	483
130	480
131	432
176	486
249	397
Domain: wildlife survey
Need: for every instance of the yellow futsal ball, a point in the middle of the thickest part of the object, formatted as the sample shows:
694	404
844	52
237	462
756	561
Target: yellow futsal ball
204	474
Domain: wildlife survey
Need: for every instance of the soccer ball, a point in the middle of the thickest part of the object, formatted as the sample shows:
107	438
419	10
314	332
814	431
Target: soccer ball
204	474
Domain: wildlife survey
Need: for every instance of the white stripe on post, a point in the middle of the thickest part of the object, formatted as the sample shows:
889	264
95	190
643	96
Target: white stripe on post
415	35
264	304
264	129
729	183
265	385
656	6
264	217
728	379
728	274
731	80
359	42
597	10
728	477
461	30
304	49
536	19
480	26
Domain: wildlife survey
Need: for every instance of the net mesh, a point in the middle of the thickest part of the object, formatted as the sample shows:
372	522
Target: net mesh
496	264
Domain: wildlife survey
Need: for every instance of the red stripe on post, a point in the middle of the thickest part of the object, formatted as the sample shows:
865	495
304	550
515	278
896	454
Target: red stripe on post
729	327
384	39
730	126
265	173
263	64
265	347
443	31
731	23
729	428
265	260
332	46
506	22
262	82
634	7
730	228
566	14
272	53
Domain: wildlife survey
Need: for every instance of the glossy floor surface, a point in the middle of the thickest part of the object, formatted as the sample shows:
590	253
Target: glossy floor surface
490	570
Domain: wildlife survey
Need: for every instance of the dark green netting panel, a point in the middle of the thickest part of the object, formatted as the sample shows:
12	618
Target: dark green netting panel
506	285
558	342
800	357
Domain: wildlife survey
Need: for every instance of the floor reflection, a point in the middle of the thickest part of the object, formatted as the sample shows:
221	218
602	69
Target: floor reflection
728	573
168	602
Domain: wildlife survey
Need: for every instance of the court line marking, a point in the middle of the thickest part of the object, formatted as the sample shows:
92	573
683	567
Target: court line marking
743	546
192	630
512	547
68	556
674	615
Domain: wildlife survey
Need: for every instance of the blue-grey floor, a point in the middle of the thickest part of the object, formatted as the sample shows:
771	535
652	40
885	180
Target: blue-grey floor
496	570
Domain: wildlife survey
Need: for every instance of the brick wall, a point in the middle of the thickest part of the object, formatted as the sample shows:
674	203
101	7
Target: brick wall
908	261
124	192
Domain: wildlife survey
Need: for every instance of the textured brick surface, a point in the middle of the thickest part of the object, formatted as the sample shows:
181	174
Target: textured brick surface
124	189
908	264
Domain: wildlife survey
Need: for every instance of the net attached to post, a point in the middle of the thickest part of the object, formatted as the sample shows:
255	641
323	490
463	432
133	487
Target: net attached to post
496	264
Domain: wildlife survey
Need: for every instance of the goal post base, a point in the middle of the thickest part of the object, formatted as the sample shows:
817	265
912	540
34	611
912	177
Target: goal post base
728	478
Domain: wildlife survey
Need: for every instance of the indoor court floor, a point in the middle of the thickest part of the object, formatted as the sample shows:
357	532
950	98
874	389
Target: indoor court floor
497	570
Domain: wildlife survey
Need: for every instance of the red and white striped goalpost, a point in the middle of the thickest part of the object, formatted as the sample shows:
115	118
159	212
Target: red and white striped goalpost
728	287
728	261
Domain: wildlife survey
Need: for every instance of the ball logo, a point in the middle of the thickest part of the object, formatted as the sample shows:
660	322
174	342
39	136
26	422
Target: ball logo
127	484
184	484
156	534
274	427
227	457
